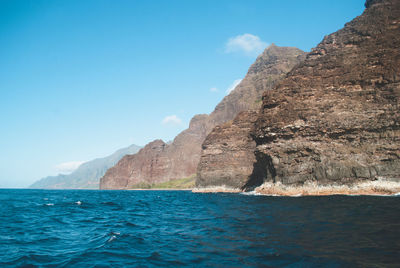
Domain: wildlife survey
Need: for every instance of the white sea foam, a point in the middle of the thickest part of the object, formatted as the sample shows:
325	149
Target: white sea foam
250	193
111	238
380	187
78	203
49	204
217	189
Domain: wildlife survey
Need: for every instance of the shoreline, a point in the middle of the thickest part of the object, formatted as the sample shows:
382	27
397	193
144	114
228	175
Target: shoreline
217	189
378	187
311	188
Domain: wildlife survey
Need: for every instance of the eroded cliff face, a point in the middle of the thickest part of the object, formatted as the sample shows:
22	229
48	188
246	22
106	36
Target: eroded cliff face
227	156
159	162
269	68
335	117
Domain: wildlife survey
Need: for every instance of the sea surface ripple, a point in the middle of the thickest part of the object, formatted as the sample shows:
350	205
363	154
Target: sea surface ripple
44	228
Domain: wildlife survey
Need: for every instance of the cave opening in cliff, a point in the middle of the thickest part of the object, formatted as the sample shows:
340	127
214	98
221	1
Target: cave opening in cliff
263	170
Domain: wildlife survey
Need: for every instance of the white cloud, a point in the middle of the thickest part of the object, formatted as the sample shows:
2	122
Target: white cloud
246	43
233	85
68	167
172	120
214	89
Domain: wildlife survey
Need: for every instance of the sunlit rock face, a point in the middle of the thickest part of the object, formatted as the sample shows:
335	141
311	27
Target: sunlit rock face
227	156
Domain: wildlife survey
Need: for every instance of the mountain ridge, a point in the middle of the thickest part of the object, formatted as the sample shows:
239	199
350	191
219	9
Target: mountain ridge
87	175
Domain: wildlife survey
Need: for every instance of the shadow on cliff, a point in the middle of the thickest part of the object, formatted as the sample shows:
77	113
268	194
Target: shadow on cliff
263	170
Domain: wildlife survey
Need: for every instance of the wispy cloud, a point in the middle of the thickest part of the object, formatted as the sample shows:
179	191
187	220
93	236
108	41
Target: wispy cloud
214	89
233	85
68	167
171	120
249	44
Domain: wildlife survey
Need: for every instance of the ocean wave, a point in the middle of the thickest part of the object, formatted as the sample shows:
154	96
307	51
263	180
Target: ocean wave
186	229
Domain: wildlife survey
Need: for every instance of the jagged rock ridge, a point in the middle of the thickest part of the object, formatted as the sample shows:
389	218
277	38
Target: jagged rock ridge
335	117
158	162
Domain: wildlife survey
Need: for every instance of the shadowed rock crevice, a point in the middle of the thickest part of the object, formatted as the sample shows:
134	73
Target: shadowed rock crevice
263	170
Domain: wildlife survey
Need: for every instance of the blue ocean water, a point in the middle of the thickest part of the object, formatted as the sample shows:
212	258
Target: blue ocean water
46	228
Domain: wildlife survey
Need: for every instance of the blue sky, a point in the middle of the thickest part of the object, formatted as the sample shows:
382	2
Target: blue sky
80	79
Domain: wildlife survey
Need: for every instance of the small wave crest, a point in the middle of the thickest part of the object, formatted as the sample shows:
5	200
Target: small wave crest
112	236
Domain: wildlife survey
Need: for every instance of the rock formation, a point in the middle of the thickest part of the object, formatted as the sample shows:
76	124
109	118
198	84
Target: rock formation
227	156
158	162
334	119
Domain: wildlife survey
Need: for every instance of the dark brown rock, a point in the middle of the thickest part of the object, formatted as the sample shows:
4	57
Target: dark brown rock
334	118
369	3
180	158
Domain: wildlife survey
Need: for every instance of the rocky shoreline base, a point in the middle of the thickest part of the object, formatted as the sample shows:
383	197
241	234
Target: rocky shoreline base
217	189
312	188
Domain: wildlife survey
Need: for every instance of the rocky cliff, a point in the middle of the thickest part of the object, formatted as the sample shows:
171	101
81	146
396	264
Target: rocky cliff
333	120
159	162
227	155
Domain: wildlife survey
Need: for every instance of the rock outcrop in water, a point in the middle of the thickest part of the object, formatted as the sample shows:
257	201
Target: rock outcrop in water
334	119
159	162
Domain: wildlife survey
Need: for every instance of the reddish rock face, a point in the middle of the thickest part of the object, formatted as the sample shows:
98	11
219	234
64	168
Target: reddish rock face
335	117
159	162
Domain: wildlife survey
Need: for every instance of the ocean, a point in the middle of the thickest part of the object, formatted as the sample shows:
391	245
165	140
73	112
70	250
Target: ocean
79	228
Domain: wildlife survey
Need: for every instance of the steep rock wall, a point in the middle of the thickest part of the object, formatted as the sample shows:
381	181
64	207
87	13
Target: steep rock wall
336	116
